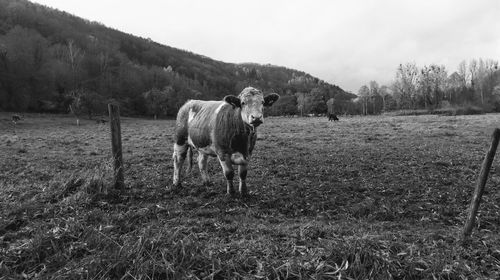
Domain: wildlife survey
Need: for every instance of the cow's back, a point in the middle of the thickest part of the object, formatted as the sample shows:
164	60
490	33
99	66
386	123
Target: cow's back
195	119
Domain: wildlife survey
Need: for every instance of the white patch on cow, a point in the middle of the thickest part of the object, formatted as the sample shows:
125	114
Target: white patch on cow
208	150
178	161
190	141
219	108
238	159
191	115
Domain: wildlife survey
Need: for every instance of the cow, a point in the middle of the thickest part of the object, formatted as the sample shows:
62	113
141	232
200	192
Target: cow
225	129
101	120
15	118
333	117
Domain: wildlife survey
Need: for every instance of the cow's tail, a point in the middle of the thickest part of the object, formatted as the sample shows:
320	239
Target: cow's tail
189	157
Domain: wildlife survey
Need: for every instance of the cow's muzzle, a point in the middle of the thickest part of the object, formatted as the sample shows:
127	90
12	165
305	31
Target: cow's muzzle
256	121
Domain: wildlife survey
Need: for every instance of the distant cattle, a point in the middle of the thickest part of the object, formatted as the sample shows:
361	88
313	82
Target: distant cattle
15	118
332	117
101	121
225	129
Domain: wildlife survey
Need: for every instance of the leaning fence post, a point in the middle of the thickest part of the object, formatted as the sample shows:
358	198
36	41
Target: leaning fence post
116	145
481	182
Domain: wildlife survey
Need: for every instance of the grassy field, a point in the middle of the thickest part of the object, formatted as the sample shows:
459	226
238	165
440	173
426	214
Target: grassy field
364	198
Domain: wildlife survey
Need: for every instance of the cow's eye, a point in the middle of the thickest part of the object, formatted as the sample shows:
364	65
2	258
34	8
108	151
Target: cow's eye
242	103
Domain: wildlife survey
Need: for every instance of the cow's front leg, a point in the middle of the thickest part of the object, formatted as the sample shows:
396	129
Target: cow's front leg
227	167
242	162
242	172
179	156
202	164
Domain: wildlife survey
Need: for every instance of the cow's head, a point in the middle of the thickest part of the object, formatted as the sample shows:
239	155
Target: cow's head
252	101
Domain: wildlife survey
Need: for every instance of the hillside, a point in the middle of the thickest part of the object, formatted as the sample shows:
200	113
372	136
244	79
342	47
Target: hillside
49	59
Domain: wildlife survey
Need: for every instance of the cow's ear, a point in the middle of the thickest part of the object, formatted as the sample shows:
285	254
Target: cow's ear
270	99
233	100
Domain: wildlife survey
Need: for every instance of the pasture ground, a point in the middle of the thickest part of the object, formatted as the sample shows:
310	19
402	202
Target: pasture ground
364	198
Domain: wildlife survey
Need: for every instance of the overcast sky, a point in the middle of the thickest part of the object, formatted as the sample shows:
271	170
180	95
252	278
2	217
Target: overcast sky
347	43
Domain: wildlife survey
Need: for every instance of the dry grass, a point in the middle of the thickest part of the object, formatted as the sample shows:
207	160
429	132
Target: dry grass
363	198
446	111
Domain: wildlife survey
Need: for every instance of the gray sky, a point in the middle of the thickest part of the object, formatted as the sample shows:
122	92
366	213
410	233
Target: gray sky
347	43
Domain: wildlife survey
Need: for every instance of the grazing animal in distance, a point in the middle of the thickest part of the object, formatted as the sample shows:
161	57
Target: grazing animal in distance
225	129
15	118
101	121
333	117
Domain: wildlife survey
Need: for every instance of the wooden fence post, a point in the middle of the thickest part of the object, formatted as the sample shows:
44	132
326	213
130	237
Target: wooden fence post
116	145
481	182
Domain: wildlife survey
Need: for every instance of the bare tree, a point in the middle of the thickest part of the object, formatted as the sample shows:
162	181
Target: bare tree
431	84
463	74
374	94
454	85
406	84
490	66
364	95
384	92
74	58
87	102
473	74
301	102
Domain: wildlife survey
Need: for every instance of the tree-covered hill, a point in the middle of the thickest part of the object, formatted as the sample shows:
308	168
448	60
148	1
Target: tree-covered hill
50	59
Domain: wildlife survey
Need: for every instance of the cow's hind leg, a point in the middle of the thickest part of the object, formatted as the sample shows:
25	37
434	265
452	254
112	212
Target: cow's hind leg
242	172
180	152
202	164
227	167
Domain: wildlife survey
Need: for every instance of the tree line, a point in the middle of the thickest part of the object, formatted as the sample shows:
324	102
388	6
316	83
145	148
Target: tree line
473	87
51	61
476	83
